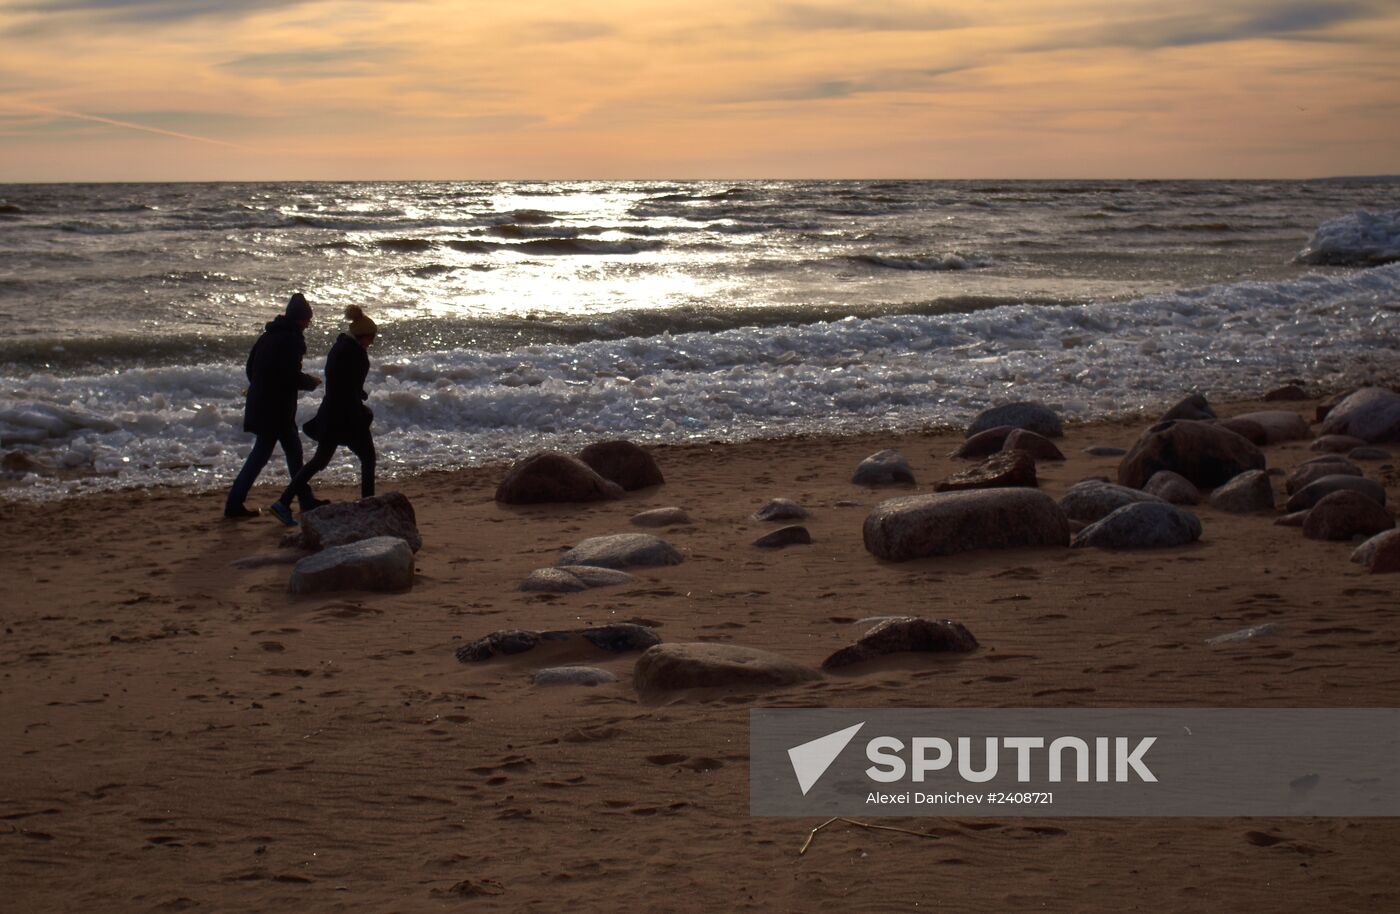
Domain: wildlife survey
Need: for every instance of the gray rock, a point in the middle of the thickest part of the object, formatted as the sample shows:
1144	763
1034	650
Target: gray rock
622	550
384	563
1093	500
1103	450
1279	424
1247	493
780	509
390	514
1246	634
1035	417
951	522
614	638
1206	454
1371	414
661	517
1346	513
1305	474
1172	488
984	443
1381	553
1315	491
572	675
624	463
551	580
1145	525
1193	406
702	665
885	468
1038	446
1296	519
1363	554
1336	444
901	635
596	576
792	535
1369	453
1002	470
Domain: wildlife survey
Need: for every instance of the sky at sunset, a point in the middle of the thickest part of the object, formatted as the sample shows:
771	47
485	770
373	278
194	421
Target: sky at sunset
459	89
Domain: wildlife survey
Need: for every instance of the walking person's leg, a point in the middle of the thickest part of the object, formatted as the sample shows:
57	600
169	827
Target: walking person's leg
282	507
363	448
243	484
290	439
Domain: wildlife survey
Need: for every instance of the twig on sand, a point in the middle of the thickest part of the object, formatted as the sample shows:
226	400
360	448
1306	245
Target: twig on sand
903	831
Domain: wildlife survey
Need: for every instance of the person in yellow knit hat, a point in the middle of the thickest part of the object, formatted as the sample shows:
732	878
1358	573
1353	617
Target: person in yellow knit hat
343	417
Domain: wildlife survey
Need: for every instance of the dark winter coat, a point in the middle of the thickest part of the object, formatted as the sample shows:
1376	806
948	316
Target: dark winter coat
275	377
343	416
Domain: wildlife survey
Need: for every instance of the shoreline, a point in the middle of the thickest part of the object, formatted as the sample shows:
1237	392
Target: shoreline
187	733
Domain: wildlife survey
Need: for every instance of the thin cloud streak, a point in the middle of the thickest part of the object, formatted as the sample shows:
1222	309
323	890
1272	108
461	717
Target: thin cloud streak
96	118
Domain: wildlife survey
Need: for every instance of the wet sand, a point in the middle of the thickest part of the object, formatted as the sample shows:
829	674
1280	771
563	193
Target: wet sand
180	734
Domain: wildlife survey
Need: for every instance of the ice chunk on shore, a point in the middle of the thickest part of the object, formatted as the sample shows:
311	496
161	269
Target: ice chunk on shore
1357	239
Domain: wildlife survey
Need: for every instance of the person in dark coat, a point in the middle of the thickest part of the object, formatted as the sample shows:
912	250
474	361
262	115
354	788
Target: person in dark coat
343	417
270	413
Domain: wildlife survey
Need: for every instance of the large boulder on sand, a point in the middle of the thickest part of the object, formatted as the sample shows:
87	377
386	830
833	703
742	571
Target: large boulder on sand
951	522
1279	424
682	665
884	468
1371	414
622	550
1380	554
383	563
1247	493
985	442
895	636
1036	417
1315	491
1206	454
1006	469
547	476
1094	499
1344	514
1172	488
1145	525
624	463
389	514
1038	446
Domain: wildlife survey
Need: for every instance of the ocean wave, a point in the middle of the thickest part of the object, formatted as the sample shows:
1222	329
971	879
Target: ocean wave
182	424
1358	239
936	262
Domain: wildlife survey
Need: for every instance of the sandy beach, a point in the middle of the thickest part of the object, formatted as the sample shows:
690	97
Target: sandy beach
182	734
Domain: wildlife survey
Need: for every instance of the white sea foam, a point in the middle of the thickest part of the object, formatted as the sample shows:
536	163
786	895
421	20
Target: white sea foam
1357	239
182	425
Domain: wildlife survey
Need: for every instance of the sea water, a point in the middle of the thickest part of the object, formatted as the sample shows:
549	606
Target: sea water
520	315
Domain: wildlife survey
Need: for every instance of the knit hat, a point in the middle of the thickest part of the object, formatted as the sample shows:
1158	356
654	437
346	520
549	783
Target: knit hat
360	324
298	309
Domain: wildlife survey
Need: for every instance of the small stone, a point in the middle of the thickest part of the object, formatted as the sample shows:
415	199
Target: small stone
1315	491
1248	493
624	463
1038	446
614	638
984	443
1035	417
547	477
661	517
1103	450
1343	514
1369	453
622	550
1145	525
704	665
1094	499
1336	444
551	580
1247	634
793	535
1006	469
1296	519
572	675
1289	392
1192	406
1172	488
1280	425
901	635
383	563
780	509
885	468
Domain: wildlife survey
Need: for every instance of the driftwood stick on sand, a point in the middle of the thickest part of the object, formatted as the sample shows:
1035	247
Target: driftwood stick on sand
903	831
